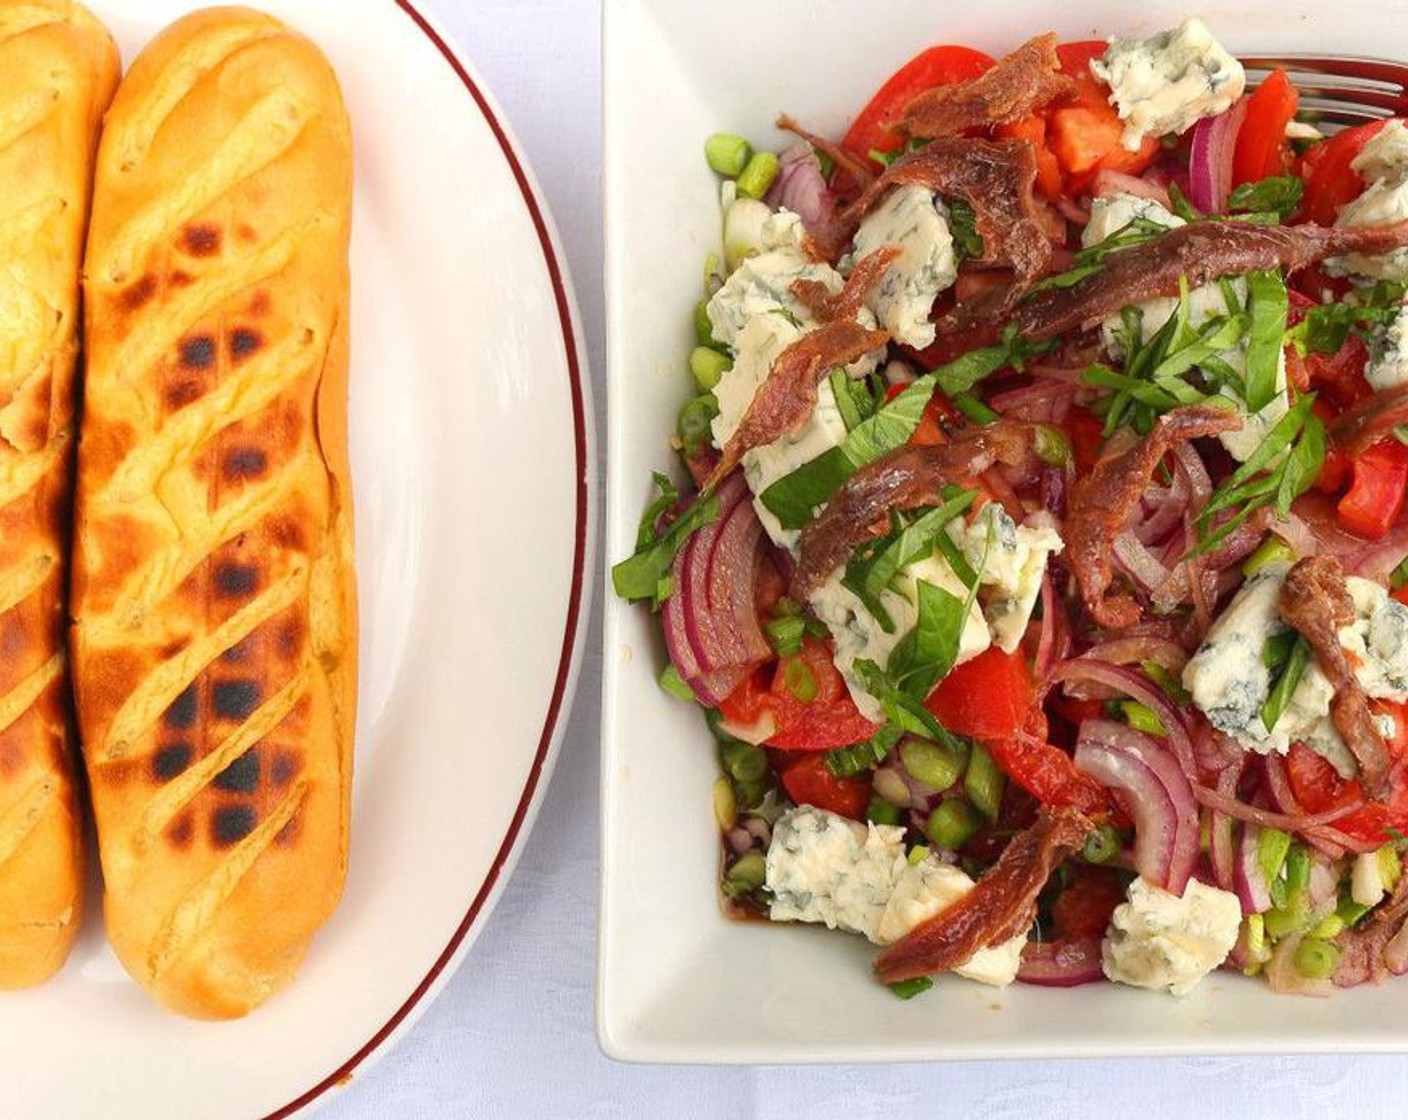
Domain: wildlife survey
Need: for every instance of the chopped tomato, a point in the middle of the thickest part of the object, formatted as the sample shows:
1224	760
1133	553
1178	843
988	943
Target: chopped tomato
1083	909
1048	169
1341	375
809	782
1334	471
1262	149
874	128
1379	478
1087	435
1319	788
1401	594
1330	181
987	698
1084	134
806	698
1046	771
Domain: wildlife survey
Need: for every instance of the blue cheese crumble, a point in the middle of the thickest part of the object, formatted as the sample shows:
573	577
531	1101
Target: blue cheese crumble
822	867
1384	163
1010	560
1170	81
915	220
1230	682
827	869
1388	354
1168	943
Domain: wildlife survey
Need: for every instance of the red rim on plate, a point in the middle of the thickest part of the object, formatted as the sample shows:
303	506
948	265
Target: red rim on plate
344	1073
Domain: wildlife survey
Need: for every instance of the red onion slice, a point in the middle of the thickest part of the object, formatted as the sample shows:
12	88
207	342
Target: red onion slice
1210	159
799	187
1138	687
1138	562
1156	792
1061	964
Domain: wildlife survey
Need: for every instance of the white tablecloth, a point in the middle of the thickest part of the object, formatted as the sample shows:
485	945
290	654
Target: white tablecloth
513	1033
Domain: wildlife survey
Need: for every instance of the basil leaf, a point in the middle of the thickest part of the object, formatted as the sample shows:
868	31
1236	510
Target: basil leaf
1269	306
1278	195
792	498
925	655
1303	464
961	374
1277	440
646	574
645	531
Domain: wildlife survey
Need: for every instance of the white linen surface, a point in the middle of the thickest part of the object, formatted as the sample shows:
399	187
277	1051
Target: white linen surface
513	1032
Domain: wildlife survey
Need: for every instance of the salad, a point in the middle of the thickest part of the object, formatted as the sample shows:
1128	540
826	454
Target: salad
1040	568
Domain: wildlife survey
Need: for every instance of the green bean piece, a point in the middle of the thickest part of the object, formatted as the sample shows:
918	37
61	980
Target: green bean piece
882	812
750	794
704	330
908	989
1102	844
1053	446
695	425
984	782
1272	847
744	762
953	824
1270	551
671	682
748	873
725	804
937	765
727	154
708	366
1139	717
755	179
1316	959
800	681
786	634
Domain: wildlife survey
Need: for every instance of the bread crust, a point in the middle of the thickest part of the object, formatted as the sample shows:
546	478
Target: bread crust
58	70
214	630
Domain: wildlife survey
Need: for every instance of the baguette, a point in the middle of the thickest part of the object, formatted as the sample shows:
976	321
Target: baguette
58	70
214	628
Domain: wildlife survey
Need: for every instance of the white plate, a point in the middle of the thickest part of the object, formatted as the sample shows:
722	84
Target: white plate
676	981
470	446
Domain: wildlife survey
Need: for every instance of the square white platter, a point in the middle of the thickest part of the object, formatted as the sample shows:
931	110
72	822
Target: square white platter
676	980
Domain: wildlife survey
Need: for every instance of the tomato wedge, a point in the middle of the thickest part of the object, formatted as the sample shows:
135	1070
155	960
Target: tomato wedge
1262	149
987	698
1330	181
808	782
806	698
874	128
1379	478
1083	909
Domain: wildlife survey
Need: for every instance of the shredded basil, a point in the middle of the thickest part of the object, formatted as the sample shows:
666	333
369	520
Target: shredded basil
1267	477
855	760
963	225
875	564
1269	305
793	498
1325	328
1092	259
1012	352
1296	660
974	409
1180	206
646	574
1277	195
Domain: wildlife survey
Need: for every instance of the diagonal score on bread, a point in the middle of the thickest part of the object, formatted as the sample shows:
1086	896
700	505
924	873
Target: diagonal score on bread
58	71
214	620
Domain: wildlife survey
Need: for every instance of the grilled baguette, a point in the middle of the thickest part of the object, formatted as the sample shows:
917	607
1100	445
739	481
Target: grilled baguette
214	631
58	70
